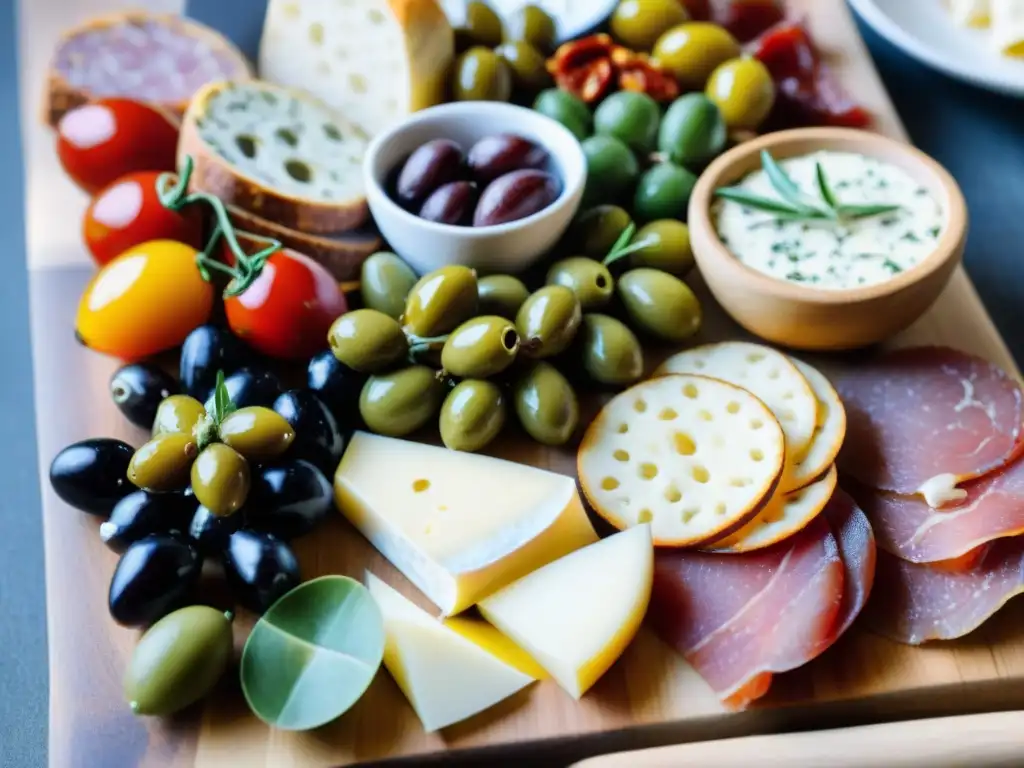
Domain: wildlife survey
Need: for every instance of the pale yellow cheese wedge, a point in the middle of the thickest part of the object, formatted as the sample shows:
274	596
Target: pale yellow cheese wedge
1008	26
576	615
829	430
445	677
487	636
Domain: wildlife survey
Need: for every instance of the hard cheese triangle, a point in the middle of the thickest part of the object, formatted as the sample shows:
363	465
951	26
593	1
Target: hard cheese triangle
458	525
577	615
444	676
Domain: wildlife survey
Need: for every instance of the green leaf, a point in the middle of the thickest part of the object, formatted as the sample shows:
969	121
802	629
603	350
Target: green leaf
786	187
826	191
751	200
313	654
862	211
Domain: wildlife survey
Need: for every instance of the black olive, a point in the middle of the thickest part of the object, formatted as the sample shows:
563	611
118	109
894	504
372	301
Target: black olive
153	578
260	568
210	532
141	513
92	475
318	439
138	389
208	349
337	386
250	386
288	500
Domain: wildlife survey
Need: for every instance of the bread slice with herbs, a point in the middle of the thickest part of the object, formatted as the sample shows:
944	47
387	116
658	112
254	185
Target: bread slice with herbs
278	153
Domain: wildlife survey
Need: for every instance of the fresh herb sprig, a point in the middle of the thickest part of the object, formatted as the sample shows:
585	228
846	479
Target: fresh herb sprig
794	204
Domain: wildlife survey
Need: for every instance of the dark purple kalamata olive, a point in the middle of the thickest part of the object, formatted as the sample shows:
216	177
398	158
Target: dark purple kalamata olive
515	196
92	475
142	513
138	389
495	156
260	568
435	163
451	204
152	578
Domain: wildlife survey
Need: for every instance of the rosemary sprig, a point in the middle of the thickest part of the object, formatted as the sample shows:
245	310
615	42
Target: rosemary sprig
793	204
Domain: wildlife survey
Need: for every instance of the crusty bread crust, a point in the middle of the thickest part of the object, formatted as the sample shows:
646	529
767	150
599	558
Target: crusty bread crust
61	96
341	254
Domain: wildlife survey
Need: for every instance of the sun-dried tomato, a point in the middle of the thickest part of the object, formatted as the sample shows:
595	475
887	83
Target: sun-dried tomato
589	67
746	19
580	53
642	75
787	51
591	82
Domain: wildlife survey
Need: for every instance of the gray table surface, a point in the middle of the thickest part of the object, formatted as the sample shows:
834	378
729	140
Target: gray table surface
978	136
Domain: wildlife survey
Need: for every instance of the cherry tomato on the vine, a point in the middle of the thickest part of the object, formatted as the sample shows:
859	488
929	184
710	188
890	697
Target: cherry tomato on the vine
145	301
288	309
99	142
128	213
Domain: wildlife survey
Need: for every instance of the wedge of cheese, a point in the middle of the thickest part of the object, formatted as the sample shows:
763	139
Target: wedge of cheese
577	615
444	676
458	525
376	60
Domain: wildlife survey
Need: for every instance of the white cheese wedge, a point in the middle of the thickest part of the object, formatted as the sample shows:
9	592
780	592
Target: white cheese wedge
971	13
768	374
444	676
458	525
829	430
577	615
376	60
695	457
941	490
1008	26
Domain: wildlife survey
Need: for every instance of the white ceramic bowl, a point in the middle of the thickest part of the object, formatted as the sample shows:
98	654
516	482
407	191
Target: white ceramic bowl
506	248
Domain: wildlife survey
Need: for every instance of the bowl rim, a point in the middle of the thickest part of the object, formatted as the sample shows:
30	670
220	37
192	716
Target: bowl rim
793	142
571	186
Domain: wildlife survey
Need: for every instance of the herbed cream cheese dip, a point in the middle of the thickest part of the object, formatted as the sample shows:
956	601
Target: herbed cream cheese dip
834	253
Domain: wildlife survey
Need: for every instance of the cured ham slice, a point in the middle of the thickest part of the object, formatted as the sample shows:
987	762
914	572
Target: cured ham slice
908	528
739	619
852	531
922	603
923	413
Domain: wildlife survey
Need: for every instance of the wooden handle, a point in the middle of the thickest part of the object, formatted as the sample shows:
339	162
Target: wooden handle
994	740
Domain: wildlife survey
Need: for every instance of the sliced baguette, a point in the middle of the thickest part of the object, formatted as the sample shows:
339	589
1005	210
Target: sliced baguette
124	54
280	154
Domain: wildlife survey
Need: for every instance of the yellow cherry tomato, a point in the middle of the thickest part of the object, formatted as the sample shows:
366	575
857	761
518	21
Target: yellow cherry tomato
145	301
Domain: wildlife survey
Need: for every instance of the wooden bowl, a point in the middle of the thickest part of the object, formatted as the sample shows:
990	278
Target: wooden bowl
803	317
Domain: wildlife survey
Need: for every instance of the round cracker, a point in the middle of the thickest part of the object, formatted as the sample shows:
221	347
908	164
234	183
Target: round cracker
829	431
694	456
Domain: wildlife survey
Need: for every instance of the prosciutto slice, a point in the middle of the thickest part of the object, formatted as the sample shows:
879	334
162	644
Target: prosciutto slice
739	619
908	528
919	413
851	529
922	603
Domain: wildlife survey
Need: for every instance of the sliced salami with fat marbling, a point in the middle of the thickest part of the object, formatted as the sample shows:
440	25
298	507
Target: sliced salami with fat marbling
921	413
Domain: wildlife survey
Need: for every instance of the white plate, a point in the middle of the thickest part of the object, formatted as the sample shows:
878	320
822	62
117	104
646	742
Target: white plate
925	30
573	17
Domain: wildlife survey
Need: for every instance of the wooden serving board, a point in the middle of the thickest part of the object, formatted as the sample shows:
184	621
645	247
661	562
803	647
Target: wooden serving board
650	697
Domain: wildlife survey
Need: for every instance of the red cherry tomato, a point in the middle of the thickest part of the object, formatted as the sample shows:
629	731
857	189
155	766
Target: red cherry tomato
288	309
102	141
128	213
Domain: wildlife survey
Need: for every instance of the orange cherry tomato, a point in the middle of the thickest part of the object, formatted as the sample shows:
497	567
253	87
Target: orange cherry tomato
145	301
102	141
128	213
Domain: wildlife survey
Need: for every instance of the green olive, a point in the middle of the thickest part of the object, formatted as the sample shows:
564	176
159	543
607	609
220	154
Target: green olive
472	415
178	660
384	283
481	75
744	91
482	26
177	413
368	341
257	433
546	405
527	65
220	479
663	192
597	229
612	170
441	301
398	403
564	108
611	353
691	52
163	464
631	117
548	321
660	304
501	295
590	280
532	25
668	247
638	24
480	348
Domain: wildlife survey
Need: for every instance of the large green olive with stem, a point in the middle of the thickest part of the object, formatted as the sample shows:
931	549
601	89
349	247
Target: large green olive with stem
164	463
480	348
368	341
178	413
590	280
548	321
220	479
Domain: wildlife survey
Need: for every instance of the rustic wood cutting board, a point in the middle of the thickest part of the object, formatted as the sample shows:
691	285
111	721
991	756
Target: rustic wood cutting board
650	697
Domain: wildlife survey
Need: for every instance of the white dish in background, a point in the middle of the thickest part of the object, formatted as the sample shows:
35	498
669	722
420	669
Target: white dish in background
925	30
573	17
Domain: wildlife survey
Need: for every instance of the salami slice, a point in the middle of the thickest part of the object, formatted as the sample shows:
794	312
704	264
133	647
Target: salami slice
739	619
910	529
157	58
917	414
852	531
922	603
